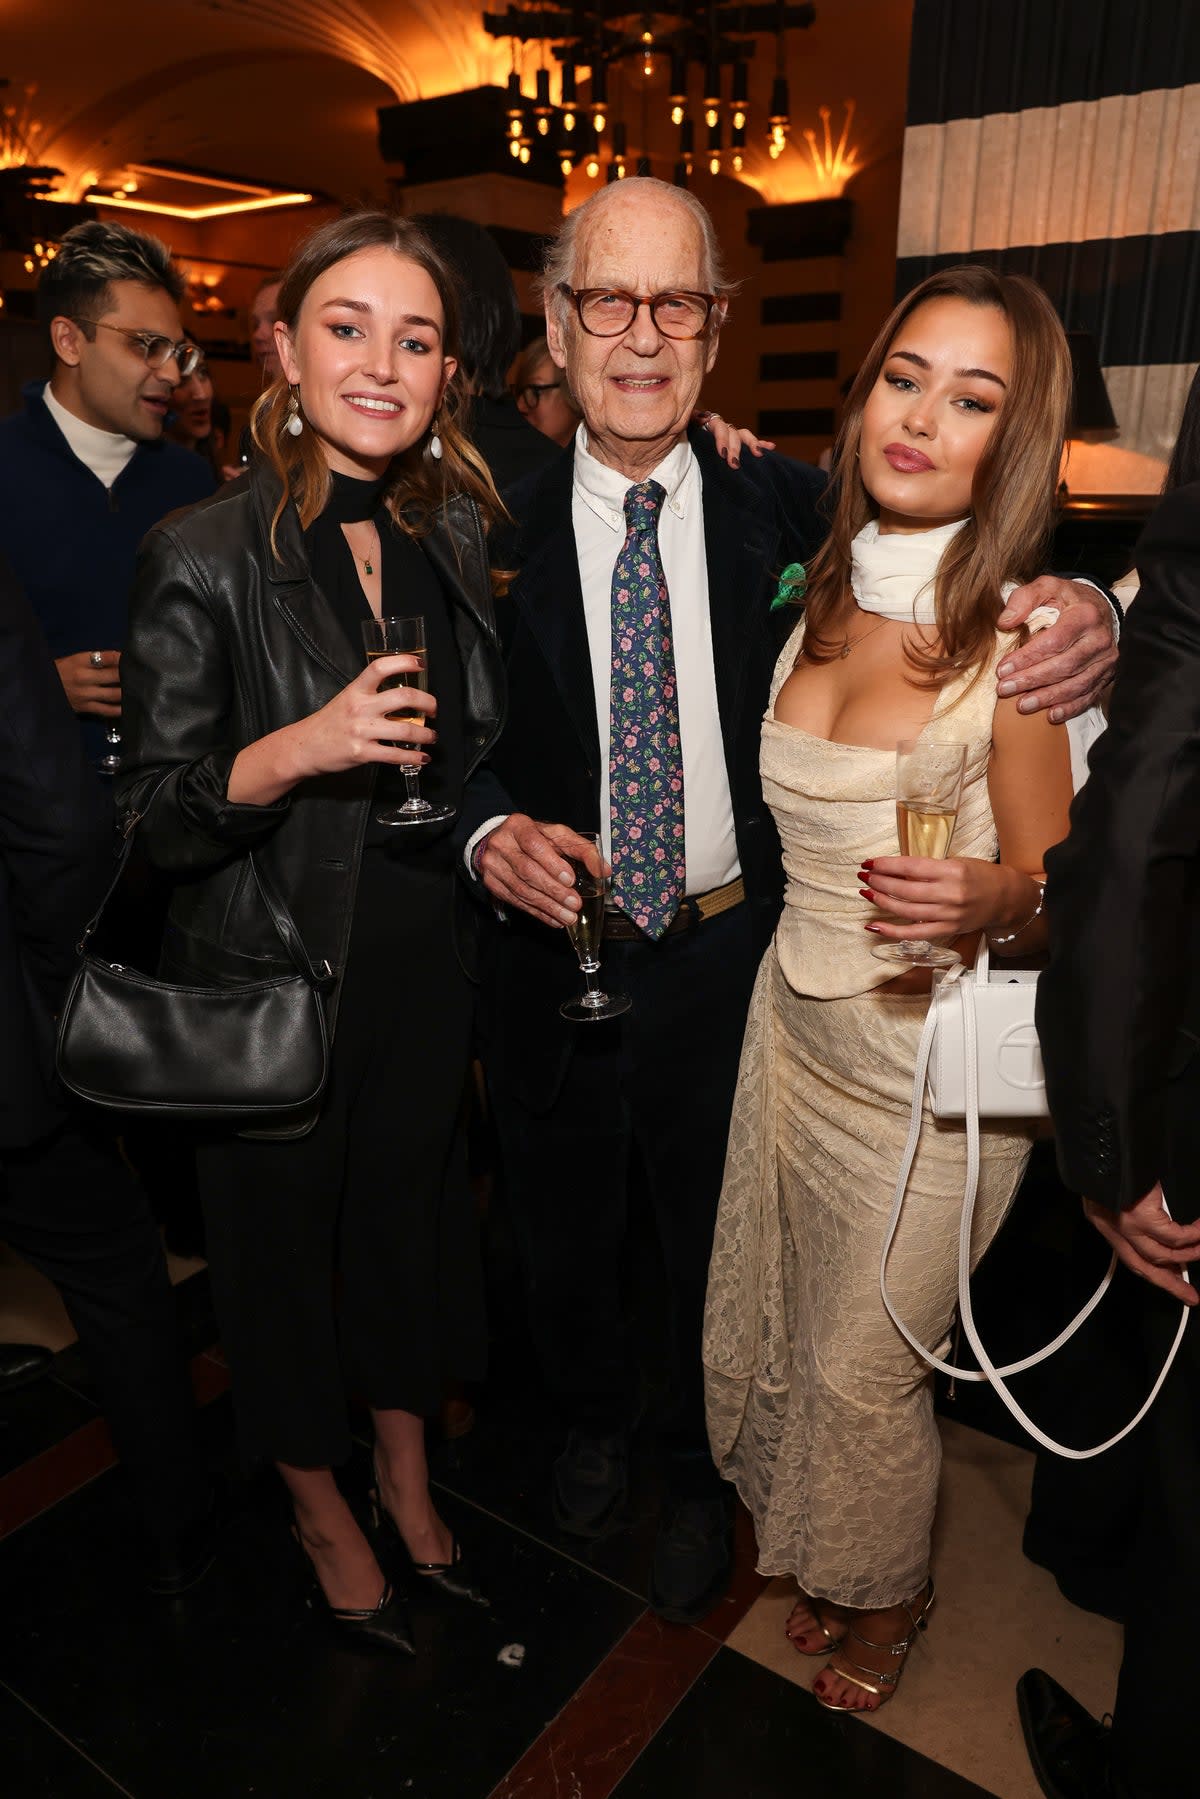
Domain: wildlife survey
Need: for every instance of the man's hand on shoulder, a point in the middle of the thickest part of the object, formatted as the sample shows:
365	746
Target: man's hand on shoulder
1067	667
523	863
92	682
1149	1242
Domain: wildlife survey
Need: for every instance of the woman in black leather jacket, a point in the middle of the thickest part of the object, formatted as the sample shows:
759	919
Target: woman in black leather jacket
246	686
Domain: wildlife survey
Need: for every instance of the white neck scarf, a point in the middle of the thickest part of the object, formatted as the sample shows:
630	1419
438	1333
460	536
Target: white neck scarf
894	574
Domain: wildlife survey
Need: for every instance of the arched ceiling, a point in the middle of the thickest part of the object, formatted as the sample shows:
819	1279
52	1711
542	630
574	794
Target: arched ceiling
231	84
286	91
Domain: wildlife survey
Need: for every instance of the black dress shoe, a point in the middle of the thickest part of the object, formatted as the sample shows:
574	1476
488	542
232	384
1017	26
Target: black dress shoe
591	1479
21	1363
693	1559
1068	1748
185	1559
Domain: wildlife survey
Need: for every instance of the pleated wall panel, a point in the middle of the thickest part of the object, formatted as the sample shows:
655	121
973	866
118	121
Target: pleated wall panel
1062	141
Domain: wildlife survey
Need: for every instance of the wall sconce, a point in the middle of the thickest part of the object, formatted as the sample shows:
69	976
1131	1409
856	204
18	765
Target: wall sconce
834	165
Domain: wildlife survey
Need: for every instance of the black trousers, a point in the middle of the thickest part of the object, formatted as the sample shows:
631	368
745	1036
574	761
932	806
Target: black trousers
657	1083
1153	1740
71	1207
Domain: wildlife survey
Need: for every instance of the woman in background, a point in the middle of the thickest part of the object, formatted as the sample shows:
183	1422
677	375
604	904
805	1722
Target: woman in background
542	393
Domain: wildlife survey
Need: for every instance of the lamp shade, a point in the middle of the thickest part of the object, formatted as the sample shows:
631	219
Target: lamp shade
1092	418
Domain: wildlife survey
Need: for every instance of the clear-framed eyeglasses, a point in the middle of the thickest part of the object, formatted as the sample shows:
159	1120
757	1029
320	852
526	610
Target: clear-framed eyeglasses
156	349
610	311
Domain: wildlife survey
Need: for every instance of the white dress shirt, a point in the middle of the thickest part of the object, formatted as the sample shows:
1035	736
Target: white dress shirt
104	452
598	515
598	518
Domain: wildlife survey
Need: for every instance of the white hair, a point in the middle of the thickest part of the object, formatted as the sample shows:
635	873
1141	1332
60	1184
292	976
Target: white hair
559	264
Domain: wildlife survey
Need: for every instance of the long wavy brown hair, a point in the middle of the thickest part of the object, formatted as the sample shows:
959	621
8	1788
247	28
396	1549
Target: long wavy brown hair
1012	495
421	483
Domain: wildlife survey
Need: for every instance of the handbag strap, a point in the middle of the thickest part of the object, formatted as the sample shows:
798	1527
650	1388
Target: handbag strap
320	979
987	1370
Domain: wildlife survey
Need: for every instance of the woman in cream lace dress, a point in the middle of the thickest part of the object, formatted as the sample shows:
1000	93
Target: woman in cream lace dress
818	1410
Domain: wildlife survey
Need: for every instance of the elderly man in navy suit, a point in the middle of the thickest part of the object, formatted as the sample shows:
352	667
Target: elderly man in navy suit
640	637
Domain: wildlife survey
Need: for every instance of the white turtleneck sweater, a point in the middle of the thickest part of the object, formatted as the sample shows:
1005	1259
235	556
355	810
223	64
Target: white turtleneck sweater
105	453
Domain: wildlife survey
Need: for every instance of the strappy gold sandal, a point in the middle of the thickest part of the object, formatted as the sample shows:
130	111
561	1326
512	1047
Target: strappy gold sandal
880	1686
818	1623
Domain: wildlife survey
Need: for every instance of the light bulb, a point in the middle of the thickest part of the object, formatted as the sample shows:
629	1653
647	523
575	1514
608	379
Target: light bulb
647	37
566	166
774	149
620	168
524	152
711	115
648	67
739	119
714	165
677	115
568	121
543	126
739	162
514	148
514	125
599	121
593	167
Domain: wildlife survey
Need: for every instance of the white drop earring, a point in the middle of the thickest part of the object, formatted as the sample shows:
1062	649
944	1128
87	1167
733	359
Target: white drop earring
293	423
435	447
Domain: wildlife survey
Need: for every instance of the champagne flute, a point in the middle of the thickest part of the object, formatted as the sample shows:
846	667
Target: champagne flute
585	934
929	779
405	637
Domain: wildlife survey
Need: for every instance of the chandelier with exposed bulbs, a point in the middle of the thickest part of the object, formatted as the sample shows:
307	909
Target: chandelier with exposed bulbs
607	59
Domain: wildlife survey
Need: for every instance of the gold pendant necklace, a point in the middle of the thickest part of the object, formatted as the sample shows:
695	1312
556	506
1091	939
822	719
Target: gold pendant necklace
849	643
368	565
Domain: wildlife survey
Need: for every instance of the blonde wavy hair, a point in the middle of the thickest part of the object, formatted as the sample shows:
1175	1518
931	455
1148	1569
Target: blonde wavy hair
421	483
1012	495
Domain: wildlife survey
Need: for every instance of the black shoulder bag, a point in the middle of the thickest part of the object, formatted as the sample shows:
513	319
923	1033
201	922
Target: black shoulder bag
136	1044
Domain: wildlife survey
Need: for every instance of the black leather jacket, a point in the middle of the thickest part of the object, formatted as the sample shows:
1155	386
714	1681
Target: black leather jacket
227	643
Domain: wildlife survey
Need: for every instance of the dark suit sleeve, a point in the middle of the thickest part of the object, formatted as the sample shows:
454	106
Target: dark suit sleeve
56	831
1122	978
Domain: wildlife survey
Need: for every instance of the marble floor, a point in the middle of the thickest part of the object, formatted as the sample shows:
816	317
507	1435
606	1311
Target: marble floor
233	1690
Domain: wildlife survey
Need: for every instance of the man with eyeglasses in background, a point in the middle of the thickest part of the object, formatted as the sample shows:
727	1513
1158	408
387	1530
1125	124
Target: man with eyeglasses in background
84	468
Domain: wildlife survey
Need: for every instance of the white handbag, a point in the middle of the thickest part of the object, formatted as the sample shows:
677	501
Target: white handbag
1011	1079
979	1057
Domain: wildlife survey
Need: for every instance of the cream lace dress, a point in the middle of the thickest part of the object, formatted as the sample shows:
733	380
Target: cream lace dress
817	1408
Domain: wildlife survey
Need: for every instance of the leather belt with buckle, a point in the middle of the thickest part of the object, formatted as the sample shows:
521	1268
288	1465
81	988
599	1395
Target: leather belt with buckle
691	914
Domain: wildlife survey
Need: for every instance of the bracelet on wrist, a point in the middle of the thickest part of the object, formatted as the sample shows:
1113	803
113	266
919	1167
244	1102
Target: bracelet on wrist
1039	882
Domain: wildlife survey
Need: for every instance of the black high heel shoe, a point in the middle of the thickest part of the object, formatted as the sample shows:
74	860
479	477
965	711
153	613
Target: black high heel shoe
456	1578
385	1625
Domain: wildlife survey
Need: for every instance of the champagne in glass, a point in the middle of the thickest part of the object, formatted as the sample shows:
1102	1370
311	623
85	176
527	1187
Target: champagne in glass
585	933
929	778
404	636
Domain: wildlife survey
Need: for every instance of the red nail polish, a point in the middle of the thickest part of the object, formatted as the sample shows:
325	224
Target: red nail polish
868	861
865	893
871	927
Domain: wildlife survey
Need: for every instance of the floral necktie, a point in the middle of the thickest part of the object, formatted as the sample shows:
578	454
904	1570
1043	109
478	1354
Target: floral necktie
645	773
